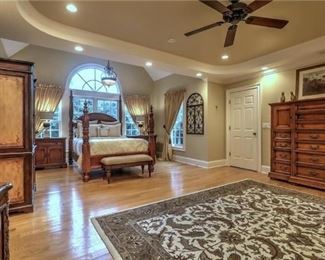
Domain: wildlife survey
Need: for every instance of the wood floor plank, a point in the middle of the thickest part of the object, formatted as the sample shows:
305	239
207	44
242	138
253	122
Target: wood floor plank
60	227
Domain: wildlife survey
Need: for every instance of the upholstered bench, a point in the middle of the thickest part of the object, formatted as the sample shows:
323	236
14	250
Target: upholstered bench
116	162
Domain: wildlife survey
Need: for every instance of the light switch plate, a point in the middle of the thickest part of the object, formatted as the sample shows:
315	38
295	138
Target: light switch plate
266	125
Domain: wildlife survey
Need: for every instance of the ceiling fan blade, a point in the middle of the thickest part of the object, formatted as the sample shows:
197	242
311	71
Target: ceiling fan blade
216	5
201	29
268	22
257	4
230	35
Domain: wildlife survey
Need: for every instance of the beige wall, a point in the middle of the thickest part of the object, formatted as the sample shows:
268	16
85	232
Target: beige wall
271	87
207	147
216	124
53	66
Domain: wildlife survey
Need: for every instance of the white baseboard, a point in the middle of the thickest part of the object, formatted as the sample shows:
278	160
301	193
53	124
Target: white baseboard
265	169
200	163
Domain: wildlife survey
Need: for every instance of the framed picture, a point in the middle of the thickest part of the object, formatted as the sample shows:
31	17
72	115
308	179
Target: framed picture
311	82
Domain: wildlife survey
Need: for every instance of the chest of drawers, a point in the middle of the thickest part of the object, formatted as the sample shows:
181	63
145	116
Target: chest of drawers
298	142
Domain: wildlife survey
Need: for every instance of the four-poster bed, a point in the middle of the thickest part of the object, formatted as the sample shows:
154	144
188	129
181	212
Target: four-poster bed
88	151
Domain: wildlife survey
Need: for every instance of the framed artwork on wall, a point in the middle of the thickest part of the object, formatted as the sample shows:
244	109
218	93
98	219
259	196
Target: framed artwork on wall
310	82
195	114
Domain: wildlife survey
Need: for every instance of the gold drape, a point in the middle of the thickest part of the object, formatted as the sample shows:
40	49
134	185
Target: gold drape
47	98
138	106
173	102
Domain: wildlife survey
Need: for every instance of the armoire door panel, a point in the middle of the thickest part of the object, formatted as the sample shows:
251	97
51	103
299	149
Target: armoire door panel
12	111
17	132
281	117
12	170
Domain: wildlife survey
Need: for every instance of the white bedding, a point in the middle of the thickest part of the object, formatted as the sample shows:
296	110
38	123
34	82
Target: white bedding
111	145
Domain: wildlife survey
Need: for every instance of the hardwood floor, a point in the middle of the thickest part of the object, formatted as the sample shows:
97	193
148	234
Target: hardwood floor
60	226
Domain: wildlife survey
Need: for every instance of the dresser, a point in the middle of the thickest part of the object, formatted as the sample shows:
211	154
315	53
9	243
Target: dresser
17	132
298	142
50	153
4	220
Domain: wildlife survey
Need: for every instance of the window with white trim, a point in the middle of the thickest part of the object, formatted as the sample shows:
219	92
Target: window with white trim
131	128
55	124
177	133
87	85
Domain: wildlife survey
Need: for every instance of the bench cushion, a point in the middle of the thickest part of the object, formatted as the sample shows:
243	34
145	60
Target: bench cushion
107	161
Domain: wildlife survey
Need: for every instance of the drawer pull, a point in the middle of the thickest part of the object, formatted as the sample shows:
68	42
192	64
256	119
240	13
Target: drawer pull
313	173
314	160
283	135
314	136
283	156
314	147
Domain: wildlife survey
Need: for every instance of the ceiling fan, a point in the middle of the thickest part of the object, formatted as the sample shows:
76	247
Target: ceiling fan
237	12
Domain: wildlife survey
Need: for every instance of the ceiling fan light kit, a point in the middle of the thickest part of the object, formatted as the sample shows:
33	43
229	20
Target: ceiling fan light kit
235	13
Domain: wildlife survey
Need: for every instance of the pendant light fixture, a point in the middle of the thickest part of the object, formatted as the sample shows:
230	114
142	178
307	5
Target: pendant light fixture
109	78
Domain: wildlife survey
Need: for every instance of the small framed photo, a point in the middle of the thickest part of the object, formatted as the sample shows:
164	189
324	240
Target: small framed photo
310	82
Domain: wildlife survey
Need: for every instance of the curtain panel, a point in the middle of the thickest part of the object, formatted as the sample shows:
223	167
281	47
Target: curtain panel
138	107
47	98
173	102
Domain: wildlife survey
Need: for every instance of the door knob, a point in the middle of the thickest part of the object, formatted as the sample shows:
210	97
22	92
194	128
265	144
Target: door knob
254	133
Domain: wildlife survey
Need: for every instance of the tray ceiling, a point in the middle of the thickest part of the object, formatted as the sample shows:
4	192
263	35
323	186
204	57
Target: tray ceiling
152	23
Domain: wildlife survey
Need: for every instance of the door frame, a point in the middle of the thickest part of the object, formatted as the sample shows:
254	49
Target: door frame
258	127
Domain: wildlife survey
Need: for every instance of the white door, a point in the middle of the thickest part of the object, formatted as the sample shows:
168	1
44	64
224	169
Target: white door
243	129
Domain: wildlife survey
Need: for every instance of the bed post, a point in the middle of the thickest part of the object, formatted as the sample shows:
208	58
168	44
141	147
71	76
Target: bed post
70	128
120	112
152	137
85	144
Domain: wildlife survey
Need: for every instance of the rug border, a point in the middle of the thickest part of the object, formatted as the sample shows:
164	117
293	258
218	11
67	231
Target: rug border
113	251
110	247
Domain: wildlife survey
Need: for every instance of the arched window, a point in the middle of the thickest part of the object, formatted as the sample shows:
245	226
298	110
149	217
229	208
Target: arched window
85	81
88	78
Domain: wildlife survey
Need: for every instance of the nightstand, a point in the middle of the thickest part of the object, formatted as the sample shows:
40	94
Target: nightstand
50	153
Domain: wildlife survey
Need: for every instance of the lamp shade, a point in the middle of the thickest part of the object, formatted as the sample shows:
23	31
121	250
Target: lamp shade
46	115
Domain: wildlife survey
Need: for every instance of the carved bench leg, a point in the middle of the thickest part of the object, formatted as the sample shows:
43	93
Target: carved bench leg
108	175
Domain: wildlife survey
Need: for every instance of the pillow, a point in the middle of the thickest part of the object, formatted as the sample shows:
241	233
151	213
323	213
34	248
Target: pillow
110	130
110	123
92	130
103	131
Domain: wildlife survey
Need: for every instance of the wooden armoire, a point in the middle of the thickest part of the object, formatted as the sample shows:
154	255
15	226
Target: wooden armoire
17	132
298	142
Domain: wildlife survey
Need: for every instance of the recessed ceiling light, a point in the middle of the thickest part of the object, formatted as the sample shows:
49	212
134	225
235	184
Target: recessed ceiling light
148	63
72	8
171	40
78	48
225	57
269	71
199	74
265	68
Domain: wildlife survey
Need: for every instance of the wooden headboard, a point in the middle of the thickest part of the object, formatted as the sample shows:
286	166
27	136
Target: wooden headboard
99	117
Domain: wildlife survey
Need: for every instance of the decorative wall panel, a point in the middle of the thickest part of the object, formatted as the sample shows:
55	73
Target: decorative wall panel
195	114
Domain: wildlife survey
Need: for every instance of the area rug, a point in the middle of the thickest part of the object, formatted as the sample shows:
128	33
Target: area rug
244	220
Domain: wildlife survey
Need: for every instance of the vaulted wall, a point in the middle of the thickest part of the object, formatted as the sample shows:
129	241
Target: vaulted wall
53	66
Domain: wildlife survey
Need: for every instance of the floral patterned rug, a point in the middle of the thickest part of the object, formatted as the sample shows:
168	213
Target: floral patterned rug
244	220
